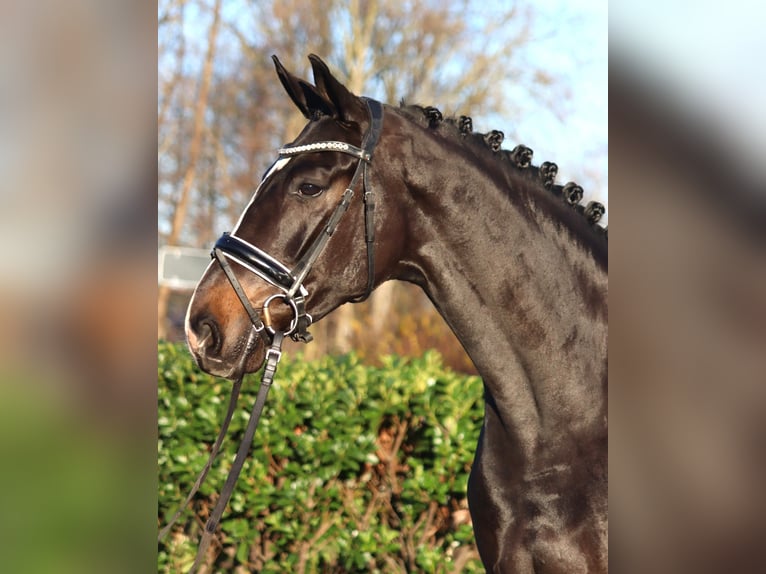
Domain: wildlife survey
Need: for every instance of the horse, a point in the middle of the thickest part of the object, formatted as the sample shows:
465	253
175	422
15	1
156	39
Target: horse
517	267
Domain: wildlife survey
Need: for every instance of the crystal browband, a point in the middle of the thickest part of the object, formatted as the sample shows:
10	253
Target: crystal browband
325	146
340	146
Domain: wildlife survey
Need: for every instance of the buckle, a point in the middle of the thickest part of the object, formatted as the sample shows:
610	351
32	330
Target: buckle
276	354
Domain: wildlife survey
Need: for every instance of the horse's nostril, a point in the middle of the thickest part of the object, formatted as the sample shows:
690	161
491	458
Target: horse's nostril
207	334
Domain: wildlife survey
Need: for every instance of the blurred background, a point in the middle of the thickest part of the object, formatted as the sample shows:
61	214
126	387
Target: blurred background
85	91
520	67
687	397
78	391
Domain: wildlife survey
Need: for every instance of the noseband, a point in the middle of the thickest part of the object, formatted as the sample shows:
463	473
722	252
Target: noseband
290	281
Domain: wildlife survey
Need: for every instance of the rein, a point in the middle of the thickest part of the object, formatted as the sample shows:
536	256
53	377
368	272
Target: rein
294	294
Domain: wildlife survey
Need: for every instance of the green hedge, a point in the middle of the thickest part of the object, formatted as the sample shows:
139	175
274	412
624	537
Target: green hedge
353	468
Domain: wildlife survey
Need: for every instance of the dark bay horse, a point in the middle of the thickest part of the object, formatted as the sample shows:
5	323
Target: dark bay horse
514	264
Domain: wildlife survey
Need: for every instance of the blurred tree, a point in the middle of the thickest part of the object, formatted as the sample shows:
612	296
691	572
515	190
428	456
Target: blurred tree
190	174
455	55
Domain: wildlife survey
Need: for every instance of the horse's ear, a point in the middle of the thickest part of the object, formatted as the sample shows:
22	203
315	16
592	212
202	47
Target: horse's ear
348	106
305	96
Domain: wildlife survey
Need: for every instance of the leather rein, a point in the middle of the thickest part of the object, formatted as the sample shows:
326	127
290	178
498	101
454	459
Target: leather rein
293	293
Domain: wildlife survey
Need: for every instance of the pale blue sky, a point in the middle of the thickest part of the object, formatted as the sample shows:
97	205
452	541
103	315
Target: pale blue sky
574	48
570	42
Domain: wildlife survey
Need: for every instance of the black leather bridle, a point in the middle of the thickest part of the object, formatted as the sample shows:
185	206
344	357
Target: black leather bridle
290	281
293	293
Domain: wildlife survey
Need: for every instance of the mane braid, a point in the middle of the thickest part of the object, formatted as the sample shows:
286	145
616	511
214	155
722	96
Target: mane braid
518	159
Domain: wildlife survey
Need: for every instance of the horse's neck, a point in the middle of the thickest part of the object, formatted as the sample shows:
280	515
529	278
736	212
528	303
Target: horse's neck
527	302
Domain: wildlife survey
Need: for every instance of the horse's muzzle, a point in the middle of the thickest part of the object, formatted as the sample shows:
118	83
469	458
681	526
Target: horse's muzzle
218	355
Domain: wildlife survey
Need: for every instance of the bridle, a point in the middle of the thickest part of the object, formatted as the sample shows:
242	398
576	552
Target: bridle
290	281
292	292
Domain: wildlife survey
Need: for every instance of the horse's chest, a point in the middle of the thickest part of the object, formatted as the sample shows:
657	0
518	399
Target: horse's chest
542	520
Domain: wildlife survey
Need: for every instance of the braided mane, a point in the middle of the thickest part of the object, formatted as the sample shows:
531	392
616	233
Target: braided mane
519	159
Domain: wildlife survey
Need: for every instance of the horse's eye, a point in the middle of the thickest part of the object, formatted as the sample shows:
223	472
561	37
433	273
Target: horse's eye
310	189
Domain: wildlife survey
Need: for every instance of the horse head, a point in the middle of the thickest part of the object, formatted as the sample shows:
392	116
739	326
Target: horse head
316	195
